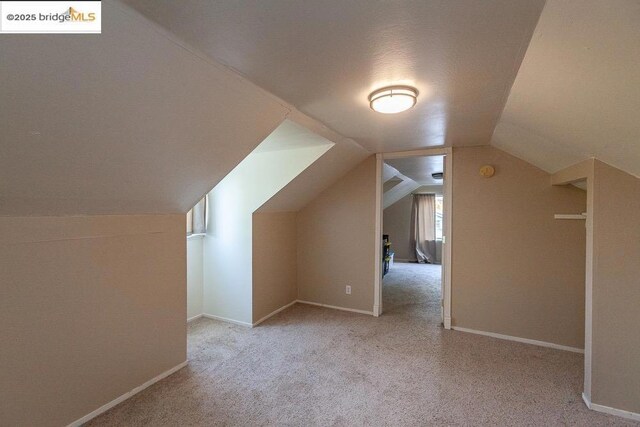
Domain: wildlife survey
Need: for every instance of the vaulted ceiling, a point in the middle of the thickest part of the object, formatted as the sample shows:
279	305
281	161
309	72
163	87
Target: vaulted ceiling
151	114
577	94
122	122
131	121
325	57
419	169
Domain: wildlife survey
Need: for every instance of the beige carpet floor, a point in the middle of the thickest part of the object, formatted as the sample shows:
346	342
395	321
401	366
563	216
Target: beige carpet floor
311	366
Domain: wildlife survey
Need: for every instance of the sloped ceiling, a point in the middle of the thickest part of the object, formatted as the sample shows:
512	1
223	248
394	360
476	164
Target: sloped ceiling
335	163
290	136
325	57
419	169
577	94
411	174
125	122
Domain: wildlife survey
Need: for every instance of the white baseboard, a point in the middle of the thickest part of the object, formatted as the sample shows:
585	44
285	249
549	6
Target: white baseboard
191	319
609	410
224	319
274	313
447	323
522	340
127	395
353	310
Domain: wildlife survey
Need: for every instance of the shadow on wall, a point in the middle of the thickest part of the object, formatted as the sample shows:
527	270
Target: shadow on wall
227	251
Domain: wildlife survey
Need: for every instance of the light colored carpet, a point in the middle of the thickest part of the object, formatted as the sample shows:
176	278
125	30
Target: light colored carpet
317	366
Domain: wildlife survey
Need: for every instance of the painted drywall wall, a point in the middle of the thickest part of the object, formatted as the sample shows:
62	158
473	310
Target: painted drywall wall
274	262
91	307
515	270
396	222
228	243
195	272
336	241
616	289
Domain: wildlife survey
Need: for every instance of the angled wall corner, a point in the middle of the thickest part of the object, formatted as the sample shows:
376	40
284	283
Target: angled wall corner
612	286
615	377
283	155
97	131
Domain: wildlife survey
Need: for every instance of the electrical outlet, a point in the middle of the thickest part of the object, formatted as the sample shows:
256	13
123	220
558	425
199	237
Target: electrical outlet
348	290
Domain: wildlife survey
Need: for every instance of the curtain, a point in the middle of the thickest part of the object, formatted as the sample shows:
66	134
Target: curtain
197	218
423	227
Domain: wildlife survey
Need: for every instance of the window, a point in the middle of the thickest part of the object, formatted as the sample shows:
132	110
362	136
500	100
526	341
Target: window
197	218
439	210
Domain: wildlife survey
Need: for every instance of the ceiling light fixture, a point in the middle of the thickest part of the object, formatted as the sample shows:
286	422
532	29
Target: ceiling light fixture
437	175
393	99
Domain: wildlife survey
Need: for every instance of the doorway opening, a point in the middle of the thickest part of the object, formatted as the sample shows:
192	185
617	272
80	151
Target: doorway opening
414	223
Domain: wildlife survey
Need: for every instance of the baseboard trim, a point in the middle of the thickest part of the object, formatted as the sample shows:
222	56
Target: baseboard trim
225	319
191	319
127	395
274	313
518	339
609	410
335	307
447	323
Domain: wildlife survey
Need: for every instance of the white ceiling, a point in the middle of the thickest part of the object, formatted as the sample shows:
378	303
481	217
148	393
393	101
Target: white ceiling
325	57
329	168
419	169
577	94
290	136
119	123
135	121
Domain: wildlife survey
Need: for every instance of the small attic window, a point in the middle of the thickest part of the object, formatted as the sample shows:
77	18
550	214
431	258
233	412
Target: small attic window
197	218
439	216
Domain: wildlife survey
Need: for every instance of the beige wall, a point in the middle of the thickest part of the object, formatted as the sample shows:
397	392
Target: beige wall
616	289
515	270
274	262
91	307
336	241
396	222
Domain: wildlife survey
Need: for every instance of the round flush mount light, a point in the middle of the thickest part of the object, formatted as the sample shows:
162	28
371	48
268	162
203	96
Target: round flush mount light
393	99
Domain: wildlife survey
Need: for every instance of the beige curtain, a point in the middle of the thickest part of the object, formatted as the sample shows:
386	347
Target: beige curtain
197	218
423	227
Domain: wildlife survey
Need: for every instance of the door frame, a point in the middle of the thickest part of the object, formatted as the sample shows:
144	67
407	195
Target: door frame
447	152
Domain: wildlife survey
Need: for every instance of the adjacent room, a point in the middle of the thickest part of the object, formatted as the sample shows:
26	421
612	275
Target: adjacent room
413	222
311	213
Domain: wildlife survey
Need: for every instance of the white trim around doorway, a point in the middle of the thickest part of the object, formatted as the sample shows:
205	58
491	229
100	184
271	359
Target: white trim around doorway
446	253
